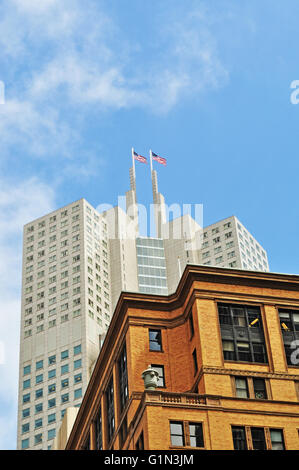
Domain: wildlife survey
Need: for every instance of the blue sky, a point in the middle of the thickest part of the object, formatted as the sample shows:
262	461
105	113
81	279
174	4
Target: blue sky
204	83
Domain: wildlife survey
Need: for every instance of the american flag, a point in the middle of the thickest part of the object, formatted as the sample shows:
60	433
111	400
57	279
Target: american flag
159	159
140	158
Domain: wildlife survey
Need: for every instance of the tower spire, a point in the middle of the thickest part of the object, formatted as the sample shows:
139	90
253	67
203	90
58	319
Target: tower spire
159	201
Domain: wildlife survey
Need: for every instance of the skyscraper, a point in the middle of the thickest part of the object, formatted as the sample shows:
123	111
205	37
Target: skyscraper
76	262
65	311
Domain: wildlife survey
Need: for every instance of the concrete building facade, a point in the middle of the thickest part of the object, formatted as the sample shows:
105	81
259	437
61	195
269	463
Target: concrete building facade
66	309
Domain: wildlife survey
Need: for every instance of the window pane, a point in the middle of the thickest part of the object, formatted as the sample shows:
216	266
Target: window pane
196	435
258	438
239	438
155	340
176	432
177	440
259	387
241	388
160	370
277	439
244	352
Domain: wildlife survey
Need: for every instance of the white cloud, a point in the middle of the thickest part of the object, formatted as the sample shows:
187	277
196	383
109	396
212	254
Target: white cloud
74	59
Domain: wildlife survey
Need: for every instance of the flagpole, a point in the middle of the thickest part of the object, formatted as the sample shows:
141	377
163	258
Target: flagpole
133	161
151	160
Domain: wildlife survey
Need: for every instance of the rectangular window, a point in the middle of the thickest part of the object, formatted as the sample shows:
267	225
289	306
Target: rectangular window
26	398
155	340
51	388
39	378
140	442
38	423
110	409
64	354
123	378
64	398
289	322
64	383
38	439
25	443
98	430
242	333
196	435
239	438
176	433
194	357
38	408
258	439
25	428
39	393
241	387
259	387
51	433
77	378
77	349
52	403
51	418
64	369
77	364
277	441
26	384
77	393
26	413
160	370
191	324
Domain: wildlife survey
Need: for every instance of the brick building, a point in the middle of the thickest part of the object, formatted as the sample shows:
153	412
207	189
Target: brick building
223	347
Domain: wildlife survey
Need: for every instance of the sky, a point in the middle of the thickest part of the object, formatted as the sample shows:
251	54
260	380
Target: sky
206	84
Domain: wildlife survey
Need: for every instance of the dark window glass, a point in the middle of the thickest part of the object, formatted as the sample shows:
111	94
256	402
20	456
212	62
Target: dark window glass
259	353
228	350
196	435
258	439
123	378
242	333
123	431
155	340
110	409
259	387
243	351
224	315
191	324
195	361
86	445
140	442
176	433
289	322
98	430
239	317
239	438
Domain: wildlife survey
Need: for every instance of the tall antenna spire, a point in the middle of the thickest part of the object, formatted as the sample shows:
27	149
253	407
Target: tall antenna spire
159	202
131	197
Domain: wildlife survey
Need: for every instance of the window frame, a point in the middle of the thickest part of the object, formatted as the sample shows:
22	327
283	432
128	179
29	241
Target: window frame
249	317
162	376
251	391
159	341
186	435
249	442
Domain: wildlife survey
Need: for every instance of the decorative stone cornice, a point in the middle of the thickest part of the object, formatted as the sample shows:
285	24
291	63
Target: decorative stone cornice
248	372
